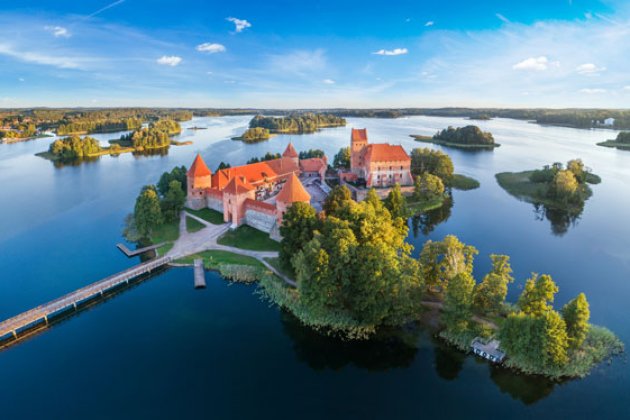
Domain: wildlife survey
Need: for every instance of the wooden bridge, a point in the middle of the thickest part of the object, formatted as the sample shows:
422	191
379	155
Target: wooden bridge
13	326
132	253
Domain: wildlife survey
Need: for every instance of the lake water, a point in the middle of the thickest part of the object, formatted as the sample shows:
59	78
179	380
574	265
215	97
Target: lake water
165	350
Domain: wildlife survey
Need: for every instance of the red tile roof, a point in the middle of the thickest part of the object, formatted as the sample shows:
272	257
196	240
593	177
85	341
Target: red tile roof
293	191
313	164
260	206
198	168
255	172
238	186
386	153
290	151
359	134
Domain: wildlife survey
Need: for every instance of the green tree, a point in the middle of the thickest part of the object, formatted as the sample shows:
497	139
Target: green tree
396	203
428	187
298	225
178	173
147	213
441	261
432	161
173	202
576	315
458	301
336	199
538	295
342	158
491	292
373	198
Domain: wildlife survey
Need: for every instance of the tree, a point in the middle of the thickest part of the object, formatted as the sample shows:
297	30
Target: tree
428	187
396	203
576	315
491	292
432	161
147	212
298	224
538	295
576	166
342	158
373	198
458	302
173	202
471	134
441	261
178	173
564	186
336	199
223	165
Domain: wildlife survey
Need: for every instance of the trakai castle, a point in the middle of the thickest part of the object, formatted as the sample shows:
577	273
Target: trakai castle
257	194
378	164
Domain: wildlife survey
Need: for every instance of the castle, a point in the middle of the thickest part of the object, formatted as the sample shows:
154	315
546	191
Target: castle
256	194
379	164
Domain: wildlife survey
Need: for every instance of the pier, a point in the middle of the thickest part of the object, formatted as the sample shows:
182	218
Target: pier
41	314
200	277
132	253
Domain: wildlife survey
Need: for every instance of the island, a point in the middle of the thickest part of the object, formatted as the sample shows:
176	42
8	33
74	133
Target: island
469	137
557	191
297	123
74	148
622	142
254	135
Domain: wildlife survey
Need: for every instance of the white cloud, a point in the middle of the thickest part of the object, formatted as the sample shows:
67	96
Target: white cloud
109	6
239	24
592	91
21	79
298	62
626	88
328	81
169	60
502	18
533	64
395	51
589	69
211	48
39	58
429	23
58	31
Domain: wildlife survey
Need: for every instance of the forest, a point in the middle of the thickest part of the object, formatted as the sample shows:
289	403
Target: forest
297	123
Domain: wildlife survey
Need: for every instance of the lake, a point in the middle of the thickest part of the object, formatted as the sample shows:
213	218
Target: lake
164	350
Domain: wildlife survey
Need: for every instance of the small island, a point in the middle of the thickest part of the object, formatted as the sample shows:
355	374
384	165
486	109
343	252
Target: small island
469	137
622	142
553	185
254	135
74	148
297	123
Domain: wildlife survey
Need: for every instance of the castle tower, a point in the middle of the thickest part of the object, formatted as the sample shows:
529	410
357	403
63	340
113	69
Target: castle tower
290	152
358	142
199	178
237	191
292	192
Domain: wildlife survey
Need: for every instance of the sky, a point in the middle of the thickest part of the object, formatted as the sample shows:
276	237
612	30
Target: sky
316	54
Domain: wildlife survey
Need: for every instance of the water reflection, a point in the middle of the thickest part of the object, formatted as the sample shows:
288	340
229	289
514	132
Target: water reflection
525	388
388	349
448	360
561	220
427	221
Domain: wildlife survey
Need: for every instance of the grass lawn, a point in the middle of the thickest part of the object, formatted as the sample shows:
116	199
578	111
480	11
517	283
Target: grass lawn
212	259
208	215
168	232
246	237
275	263
421	206
464	183
193	225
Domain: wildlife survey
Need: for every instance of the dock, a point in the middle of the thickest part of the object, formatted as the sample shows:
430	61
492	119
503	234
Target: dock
132	253
41	314
200	277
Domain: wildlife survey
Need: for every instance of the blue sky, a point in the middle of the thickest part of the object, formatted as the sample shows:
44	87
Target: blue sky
553	53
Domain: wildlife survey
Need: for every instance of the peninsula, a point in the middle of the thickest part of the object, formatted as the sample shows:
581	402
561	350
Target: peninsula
622	142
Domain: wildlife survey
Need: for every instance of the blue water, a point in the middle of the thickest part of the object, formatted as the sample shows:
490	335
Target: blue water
164	350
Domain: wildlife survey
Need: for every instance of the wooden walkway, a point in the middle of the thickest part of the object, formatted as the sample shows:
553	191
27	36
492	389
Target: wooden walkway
132	253
13	326
200	276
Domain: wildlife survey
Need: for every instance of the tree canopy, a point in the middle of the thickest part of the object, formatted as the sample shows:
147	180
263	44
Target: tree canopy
434	162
